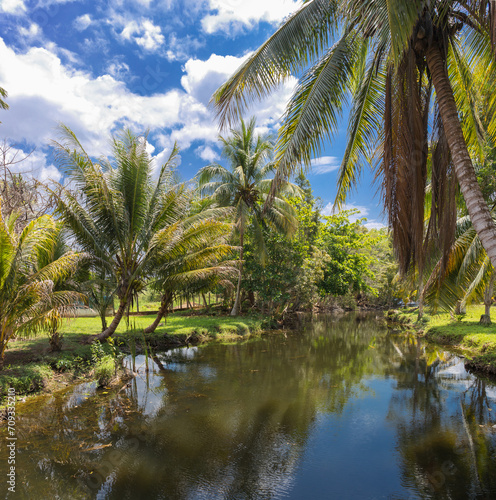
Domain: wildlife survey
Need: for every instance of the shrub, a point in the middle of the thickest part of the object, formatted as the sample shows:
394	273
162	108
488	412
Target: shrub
105	370
30	379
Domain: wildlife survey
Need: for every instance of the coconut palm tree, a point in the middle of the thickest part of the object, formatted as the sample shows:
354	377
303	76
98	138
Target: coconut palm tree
393	57
193	263
245	186
467	273
120	213
3	104
29	297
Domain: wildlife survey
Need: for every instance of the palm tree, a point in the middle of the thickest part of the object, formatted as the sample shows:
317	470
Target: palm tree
195	260
466	274
245	187
119	213
393	57
3	104
29	298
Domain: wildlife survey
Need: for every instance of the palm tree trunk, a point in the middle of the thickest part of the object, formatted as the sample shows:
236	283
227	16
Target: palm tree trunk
164	305
103	318
113	325
2	354
235	309
488	295
465	173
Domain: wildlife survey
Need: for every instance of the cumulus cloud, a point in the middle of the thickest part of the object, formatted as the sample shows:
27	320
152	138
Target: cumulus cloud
30	33
82	22
373	224
30	163
207	153
13	6
93	107
180	48
144	33
324	164
203	77
233	15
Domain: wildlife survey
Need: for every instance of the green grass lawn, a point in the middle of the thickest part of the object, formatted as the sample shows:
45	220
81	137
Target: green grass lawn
176	323
31	367
464	333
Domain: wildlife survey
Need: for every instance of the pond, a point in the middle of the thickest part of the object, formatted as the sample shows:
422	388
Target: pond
344	409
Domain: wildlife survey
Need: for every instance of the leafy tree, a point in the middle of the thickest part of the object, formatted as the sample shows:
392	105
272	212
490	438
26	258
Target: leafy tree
31	298
348	265
288	279
245	186
390	55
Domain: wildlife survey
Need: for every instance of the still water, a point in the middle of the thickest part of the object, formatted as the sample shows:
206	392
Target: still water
343	409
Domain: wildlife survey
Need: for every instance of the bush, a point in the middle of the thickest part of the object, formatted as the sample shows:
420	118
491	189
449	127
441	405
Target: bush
30	379
105	370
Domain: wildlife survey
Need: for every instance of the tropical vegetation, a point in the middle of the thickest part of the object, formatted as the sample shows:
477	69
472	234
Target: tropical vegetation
410	68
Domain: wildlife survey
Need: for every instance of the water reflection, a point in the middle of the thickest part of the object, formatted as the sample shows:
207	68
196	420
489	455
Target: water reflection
343	409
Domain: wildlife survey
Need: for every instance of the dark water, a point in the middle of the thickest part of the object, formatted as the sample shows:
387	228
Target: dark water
343	410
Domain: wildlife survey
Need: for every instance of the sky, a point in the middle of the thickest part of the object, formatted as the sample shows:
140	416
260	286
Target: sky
150	65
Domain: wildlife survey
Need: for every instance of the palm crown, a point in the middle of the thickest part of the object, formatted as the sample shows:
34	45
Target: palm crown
246	185
392	57
132	221
30	279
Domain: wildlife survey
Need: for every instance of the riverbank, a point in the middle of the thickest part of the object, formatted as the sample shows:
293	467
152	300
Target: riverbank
31	368
463	334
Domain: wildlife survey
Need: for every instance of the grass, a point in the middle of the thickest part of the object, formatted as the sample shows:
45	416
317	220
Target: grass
464	333
31	367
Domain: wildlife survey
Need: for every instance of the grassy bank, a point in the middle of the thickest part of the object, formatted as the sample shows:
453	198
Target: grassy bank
463	333
30	367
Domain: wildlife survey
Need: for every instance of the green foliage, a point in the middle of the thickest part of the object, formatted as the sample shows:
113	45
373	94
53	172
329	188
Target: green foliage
347	244
32	275
105	370
30	378
246	186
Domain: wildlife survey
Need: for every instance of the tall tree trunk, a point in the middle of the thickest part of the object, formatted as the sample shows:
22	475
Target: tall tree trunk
488	296
465	173
420	295
102	311
235	309
164	305
114	324
2	354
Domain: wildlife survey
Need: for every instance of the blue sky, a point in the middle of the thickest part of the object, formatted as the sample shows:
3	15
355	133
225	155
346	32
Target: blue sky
145	64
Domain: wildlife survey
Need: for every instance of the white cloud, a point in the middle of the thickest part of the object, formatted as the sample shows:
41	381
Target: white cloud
118	69
32	32
31	164
324	164
202	78
144	33
362	211
160	159
179	49
82	22
233	15
207	153
12	6
373	224
94	107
